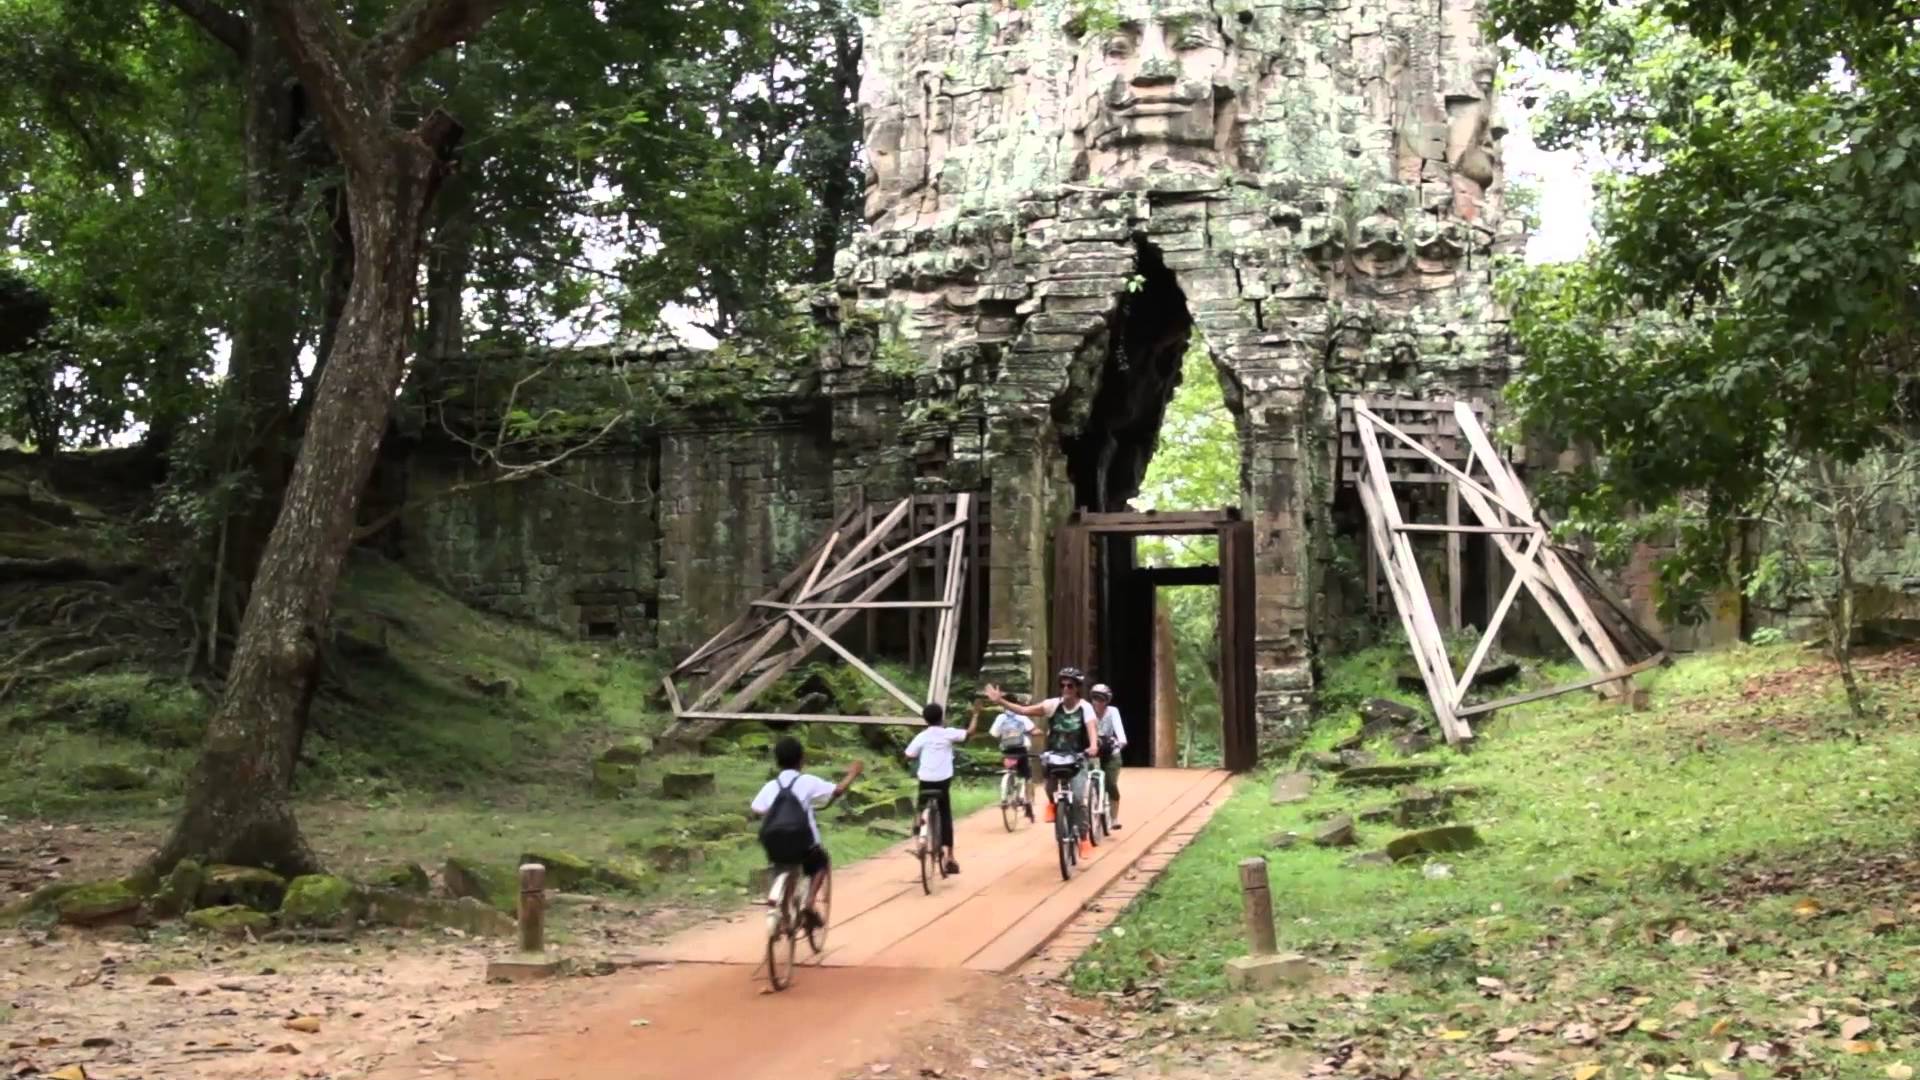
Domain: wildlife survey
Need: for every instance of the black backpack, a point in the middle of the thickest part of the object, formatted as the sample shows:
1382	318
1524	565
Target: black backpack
785	832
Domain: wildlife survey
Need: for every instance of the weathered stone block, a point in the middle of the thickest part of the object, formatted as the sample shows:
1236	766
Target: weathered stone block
1254	974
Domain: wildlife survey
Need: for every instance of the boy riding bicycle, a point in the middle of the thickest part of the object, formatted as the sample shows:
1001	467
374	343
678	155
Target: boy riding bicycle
933	749
781	803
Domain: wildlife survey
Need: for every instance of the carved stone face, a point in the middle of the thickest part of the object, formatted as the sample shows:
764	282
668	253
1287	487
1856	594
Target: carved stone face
1149	91
1474	126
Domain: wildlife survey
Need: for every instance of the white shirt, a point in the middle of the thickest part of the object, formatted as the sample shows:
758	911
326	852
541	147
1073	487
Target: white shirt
1110	725
1011	729
810	790
934	747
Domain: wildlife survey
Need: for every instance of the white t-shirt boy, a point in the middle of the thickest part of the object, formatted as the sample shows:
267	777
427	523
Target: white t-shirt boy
1110	727
1012	730
933	747
810	790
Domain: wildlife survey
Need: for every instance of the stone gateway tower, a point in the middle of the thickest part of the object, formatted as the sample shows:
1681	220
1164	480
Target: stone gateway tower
1063	195
1063	192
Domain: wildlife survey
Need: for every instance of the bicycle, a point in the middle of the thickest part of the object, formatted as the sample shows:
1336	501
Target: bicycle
926	835
1016	792
786	922
1099	815
1067	827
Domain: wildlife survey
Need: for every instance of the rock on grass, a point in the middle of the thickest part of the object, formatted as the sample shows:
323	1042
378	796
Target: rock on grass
1433	841
248	886
98	902
408	877
472	879
180	891
318	900
232	920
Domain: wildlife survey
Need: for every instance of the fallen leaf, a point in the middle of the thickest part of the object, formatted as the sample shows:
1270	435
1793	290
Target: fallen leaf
160	980
283	1048
1720	1027
96	1042
1453	1035
1579	1034
306	1025
1857	1046
1623	1025
1685	1010
71	1072
1683	937
1854	1026
1807	909
1513	1057
1650	1025
1899	1071
1506	1035
84	978
1587	1071
1486	983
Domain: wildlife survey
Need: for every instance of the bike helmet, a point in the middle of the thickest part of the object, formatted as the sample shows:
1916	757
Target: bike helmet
1072	674
1101	690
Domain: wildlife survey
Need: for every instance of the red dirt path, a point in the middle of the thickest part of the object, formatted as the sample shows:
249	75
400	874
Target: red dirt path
897	961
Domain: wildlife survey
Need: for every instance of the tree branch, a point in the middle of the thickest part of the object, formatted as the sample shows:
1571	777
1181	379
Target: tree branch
227	28
422	28
326	56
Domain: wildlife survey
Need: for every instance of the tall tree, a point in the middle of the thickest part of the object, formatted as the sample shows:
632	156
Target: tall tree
238	806
1748	312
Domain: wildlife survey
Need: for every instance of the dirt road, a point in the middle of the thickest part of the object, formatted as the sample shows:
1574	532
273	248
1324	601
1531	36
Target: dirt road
896	961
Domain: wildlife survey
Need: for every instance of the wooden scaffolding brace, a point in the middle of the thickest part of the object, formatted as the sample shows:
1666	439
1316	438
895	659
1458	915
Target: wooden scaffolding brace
839	578
1505	516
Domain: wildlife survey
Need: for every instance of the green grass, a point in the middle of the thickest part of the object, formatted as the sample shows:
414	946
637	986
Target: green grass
1607	831
408	757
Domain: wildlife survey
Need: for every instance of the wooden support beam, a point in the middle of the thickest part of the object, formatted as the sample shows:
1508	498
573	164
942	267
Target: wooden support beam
1452	530
1399	549
1537	587
858	664
787	581
1403	606
874	538
849	605
841	577
798	718
1516	493
1494	622
805	649
1362	412
947	638
673	694
1455	587
1617	675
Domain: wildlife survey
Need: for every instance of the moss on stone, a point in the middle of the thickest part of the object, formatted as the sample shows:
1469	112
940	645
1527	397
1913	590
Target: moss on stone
318	900
408	877
233	920
390	908
631	752
41	901
565	870
180	891
611	780
249	886
472	879
97	902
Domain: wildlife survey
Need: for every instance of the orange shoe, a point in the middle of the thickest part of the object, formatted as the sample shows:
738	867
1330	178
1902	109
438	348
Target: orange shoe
1086	850
1049	813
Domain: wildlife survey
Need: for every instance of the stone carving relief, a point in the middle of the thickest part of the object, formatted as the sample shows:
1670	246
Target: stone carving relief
1155	92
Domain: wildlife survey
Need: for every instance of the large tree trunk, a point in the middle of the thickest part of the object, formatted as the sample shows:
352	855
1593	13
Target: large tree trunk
239	799
254	436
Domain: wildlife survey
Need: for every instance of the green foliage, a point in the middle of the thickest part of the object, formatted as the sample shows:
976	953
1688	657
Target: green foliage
1751	296
1587	812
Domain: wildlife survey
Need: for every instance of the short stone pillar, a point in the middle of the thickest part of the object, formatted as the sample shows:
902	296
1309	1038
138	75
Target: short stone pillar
531	962
1262	968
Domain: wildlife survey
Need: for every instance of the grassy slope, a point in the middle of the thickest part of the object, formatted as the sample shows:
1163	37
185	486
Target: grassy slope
1710	869
409	759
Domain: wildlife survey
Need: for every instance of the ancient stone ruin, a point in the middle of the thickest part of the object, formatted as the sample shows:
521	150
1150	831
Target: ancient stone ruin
1062	193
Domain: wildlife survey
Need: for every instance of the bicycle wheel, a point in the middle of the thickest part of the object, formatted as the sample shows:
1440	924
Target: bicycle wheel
823	906
1063	836
1009	802
781	938
926	855
934	822
1089	811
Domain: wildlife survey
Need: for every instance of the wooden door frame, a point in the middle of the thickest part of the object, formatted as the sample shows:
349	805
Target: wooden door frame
1074	638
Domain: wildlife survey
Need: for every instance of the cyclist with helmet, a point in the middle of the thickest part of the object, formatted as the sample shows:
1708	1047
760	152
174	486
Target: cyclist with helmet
1069	730
1111	736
